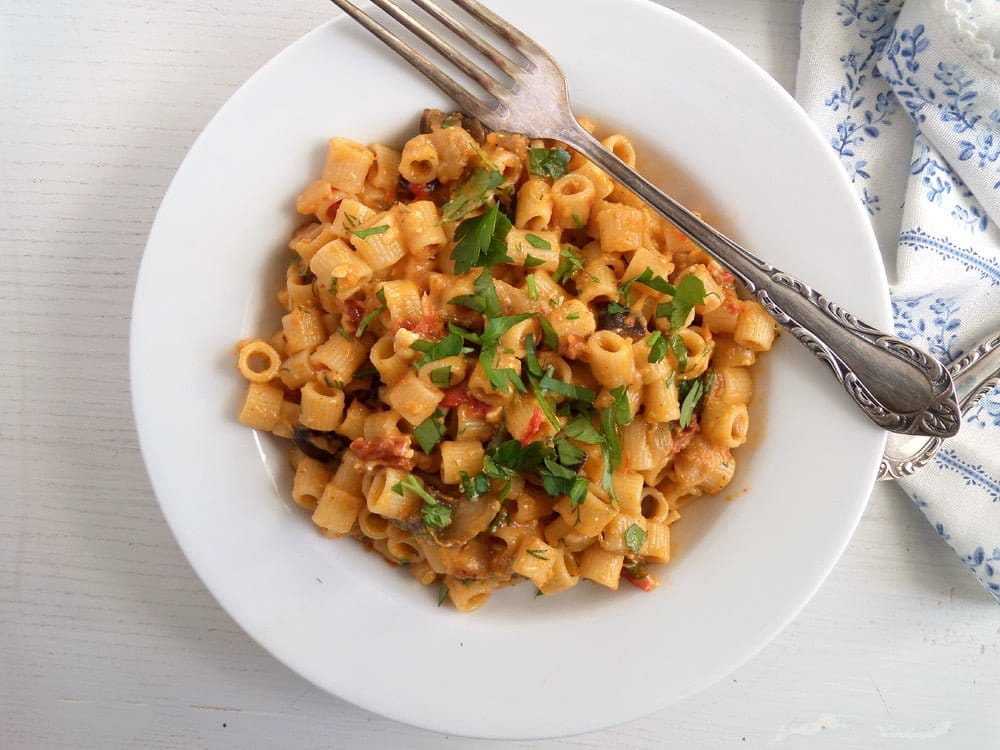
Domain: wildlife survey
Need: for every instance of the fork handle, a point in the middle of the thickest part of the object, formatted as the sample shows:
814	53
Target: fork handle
901	388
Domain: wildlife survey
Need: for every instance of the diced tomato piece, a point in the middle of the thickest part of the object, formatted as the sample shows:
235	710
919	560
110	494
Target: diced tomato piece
354	313
646	582
534	425
458	395
419	191
331	212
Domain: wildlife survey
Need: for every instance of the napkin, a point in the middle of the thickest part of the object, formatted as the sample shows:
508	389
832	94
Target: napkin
907	94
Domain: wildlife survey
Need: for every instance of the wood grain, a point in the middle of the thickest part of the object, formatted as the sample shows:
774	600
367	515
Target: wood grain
108	639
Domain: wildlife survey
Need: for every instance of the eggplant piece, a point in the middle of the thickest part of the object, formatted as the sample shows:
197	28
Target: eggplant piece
626	323
320	446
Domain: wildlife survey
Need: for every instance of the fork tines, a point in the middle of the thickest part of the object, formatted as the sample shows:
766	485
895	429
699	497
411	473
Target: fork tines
467	101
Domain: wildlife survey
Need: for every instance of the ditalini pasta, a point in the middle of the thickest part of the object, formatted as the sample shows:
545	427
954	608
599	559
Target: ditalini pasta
496	365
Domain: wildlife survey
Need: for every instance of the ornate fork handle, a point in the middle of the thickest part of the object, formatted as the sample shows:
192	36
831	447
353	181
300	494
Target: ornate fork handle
975	375
899	387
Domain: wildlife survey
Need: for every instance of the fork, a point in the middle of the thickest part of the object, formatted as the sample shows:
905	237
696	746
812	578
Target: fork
899	387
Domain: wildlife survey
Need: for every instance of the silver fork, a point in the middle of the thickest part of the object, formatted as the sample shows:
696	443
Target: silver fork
899	387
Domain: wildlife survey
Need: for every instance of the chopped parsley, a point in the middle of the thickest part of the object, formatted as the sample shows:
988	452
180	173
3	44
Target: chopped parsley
370	317
570	263
480	241
472	193
450	346
441	376
429	432
549	336
613	418
690	292
548	162
435	513
537	242
578	222
474	487
442	593
635	537
582	430
371	232
484	300
577	392
531	261
695	391
532	287
650	279
500	379
679	348
539	553
657	347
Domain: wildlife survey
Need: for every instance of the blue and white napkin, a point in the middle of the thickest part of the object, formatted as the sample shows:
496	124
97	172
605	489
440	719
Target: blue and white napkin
907	93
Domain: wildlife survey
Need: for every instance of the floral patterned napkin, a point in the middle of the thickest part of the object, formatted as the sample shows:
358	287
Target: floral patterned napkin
907	92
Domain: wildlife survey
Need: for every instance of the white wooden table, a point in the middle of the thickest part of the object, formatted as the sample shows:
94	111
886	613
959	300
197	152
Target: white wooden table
108	639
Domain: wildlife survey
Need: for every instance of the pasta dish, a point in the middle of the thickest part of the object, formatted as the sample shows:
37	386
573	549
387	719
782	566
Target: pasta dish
496	364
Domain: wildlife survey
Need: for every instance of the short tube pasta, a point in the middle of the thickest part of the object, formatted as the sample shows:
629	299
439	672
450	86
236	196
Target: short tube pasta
493	366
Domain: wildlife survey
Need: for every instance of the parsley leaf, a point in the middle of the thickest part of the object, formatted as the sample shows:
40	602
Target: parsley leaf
441	376
495	328
613	418
577	392
549	336
474	487
530	261
571	262
371	232
678	347
635	537
370	317
537	242
539	553
657	347
569	454
548	162
434	512
437	516
650	279
479	241
471	194
698	389
690	292
485	300
581	429
429	432
450	346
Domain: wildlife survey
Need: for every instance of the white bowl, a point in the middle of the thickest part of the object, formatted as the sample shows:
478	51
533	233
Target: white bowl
713	128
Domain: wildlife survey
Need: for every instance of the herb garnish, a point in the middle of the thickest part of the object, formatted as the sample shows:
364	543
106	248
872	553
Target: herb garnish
371	232
367	320
657	347
450	346
548	162
429	432
695	391
435	513
537	242
635	537
539	553
472	193
690	292
441	376
480	241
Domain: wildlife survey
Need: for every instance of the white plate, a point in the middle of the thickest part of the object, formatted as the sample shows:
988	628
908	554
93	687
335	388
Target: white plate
522	666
